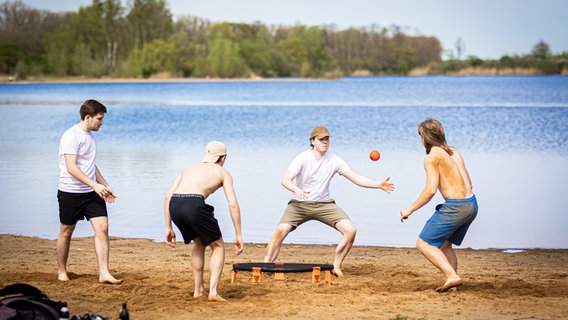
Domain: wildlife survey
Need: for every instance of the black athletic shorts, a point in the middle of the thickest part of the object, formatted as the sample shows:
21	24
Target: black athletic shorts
194	218
78	206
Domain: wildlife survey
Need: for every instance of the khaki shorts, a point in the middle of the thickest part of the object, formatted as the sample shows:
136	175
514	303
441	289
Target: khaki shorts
298	212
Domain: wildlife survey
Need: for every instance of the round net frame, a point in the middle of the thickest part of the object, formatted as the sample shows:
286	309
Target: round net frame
280	267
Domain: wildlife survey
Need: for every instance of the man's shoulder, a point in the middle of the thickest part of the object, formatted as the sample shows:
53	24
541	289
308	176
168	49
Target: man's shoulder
431	157
71	136
75	131
303	155
207	167
333	157
438	155
69	131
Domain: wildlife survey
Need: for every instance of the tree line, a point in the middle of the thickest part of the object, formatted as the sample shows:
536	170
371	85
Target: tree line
141	39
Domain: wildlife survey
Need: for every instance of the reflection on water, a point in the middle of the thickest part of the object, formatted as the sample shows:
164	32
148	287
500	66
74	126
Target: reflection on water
511	130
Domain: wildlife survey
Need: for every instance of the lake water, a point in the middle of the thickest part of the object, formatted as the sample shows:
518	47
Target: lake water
512	131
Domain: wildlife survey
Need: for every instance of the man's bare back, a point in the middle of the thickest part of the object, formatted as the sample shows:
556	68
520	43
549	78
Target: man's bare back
205	179
454	181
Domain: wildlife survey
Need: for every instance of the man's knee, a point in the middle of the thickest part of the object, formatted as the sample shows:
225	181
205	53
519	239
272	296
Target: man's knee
447	246
217	244
282	231
66	231
347	228
100	225
422	245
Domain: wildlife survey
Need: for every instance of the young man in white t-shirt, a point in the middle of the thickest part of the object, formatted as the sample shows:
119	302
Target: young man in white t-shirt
82	190
308	177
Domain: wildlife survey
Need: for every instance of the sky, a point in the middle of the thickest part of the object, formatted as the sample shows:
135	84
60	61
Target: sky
488	29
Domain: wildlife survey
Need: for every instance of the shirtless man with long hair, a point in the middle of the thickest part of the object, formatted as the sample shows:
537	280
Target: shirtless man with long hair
445	171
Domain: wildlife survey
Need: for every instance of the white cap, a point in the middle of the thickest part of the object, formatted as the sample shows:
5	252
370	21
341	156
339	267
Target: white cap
213	151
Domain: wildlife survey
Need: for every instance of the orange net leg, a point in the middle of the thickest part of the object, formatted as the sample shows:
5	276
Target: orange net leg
256	276
327	277
279	277
233	276
316	275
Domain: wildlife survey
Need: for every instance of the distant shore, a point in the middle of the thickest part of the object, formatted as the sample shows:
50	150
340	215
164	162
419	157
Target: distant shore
4	79
161	78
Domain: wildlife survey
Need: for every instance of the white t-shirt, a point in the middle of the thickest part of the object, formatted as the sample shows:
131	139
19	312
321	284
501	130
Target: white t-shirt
83	144
314	175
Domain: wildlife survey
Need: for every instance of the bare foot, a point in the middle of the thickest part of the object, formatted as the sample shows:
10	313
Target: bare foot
450	283
199	293
110	280
216	298
337	272
63	277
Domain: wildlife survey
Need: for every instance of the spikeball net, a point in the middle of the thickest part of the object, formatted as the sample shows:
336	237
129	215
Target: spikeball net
279	268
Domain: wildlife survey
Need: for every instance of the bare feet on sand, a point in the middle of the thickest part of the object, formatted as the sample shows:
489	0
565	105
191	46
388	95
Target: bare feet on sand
62	277
198	294
216	298
337	272
450	283
110	280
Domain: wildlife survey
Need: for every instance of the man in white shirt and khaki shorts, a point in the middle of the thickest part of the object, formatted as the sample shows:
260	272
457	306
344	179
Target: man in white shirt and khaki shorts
308	177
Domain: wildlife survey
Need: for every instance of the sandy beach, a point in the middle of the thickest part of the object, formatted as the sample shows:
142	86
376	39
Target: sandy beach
380	283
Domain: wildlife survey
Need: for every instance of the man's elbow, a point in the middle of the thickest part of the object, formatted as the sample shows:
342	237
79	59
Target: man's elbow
429	193
233	205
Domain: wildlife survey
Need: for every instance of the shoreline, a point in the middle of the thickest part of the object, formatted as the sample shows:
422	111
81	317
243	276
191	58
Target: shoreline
156	80
5	79
160	241
496	249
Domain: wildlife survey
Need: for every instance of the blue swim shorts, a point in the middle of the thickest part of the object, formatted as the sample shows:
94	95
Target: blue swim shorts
450	222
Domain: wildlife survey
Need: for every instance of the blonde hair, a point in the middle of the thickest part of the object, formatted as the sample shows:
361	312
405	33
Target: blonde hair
432	131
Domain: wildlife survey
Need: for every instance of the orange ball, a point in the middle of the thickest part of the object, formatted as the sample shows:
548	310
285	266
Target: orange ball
375	155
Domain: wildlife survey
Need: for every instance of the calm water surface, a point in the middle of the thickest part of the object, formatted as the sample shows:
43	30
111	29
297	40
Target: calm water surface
512	131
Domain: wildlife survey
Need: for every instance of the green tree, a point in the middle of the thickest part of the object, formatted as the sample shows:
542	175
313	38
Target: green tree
9	56
224	60
111	23
259	53
474	61
27	28
89	42
192	38
59	52
293	55
428	49
147	21
406	59
541	50
184	59
319	58
377	52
